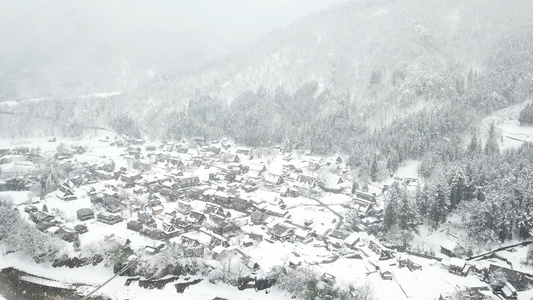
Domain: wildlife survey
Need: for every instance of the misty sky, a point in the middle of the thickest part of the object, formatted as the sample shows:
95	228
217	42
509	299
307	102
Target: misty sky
232	21
63	47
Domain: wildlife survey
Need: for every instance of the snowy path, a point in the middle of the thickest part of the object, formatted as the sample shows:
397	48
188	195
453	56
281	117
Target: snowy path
341	219
499	249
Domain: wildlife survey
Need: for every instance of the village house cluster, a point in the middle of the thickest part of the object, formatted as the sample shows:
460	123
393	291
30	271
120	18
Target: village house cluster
215	200
202	196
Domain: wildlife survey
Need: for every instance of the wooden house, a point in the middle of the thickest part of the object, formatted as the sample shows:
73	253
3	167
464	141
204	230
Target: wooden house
411	265
256	170
258	217
365	196
153	233
67	234
81	229
282	231
221	197
337	237
85	214
216	219
68	195
187	181
256	237
352	240
230	158
195	217
450	248
184	207
183	225
66	186
458	267
240	204
272	178
134	225
302	235
39	216
305	181
226	227
361	206
146	219
211	208
108	219
275	211
519	280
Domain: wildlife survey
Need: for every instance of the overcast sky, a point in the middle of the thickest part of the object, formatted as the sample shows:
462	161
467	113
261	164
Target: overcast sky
233	21
63	47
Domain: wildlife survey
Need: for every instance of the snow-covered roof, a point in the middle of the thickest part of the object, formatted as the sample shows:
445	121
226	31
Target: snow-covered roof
457	262
449	245
332	181
352	238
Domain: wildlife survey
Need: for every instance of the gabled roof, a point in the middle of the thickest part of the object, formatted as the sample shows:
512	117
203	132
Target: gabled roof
517	278
449	245
338	235
281	229
257	167
305	180
272	178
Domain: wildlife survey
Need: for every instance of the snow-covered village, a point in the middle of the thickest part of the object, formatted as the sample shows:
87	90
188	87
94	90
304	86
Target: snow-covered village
191	216
266	150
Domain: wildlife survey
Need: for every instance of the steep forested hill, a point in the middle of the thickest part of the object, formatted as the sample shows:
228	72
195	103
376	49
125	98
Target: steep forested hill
325	82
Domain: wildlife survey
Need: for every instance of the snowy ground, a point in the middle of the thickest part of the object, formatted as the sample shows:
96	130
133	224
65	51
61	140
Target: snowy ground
91	277
427	283
506	120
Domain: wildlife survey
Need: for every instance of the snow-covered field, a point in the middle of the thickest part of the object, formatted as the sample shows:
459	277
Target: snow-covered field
506	120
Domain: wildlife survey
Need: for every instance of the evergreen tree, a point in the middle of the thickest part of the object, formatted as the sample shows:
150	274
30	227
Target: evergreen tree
526	115
474	148
458	190
374	170
76	243
491	146
439	208
392	200
393	162
355	186
422	200
408	219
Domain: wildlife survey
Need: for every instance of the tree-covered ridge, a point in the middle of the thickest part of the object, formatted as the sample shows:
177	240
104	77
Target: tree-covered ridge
492	192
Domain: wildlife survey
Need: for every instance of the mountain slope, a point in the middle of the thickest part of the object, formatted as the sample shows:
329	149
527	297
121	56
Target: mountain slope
342	46
65	48
407	57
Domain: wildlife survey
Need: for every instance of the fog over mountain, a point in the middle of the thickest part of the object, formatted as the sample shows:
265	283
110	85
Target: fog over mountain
67	48
377	52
